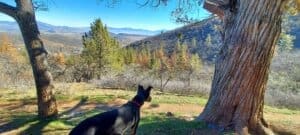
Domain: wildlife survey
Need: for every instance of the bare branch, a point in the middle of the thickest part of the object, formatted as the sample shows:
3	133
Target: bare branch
8	9
157	4
18	3
40	5
185	11
36	5
152	3
213	8
110	3
143	4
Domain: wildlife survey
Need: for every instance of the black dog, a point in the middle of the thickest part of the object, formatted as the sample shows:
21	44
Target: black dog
115	122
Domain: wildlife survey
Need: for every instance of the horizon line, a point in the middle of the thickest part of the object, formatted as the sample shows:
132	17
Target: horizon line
136	28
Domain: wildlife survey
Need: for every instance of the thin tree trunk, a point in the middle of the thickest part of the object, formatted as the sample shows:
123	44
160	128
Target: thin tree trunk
189	78
165	84
24	14
161	81
251	29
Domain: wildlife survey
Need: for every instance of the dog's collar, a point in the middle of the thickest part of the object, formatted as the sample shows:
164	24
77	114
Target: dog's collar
136	103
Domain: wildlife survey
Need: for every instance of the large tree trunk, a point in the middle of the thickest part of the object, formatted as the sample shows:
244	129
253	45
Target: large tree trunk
25	16
251	29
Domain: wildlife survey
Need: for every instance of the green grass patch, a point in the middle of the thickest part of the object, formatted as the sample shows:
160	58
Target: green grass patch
162	125
103	96
58	124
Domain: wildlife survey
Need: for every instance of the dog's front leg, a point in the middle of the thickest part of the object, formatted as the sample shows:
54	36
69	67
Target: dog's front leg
134	127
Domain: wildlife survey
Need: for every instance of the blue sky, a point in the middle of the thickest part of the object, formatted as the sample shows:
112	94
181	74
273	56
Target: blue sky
80	13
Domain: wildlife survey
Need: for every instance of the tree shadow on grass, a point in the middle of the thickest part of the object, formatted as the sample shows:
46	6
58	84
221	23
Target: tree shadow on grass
15	106
18	118
34	126
18	121
162	125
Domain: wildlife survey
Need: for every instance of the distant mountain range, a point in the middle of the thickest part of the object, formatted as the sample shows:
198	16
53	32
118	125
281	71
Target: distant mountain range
196	36
68	39
7	26
133	31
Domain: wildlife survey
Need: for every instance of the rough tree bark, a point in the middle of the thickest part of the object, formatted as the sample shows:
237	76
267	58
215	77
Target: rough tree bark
251	29
24	14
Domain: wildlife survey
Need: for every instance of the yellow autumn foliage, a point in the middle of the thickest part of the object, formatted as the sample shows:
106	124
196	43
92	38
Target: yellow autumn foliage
7	48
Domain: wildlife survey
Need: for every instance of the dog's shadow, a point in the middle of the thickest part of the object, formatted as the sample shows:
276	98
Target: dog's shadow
105	107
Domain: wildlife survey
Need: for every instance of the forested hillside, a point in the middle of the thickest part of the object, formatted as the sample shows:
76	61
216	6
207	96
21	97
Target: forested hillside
204	37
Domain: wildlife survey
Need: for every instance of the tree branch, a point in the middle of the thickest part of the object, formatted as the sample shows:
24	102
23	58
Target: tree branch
152	3
213	7
8	9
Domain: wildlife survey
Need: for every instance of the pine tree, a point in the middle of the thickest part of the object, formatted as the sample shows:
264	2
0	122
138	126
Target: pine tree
182	58
115	59
194	68
101	52
286	40
129	56
208	41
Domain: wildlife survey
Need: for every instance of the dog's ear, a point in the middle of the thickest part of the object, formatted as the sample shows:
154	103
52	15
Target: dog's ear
140	89
149	88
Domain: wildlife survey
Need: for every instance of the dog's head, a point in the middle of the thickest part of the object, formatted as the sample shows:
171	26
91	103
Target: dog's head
145	93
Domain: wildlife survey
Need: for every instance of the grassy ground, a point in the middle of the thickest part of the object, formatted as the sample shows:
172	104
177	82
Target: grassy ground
79	101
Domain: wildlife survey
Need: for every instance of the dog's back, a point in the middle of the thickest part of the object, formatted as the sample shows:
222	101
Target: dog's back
98	124
115	122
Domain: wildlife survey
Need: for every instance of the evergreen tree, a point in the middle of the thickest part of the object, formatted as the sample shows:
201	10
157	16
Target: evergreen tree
194	68
101	53
286	40
195	62
194	42
115	56
182	57
129	56
208	41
